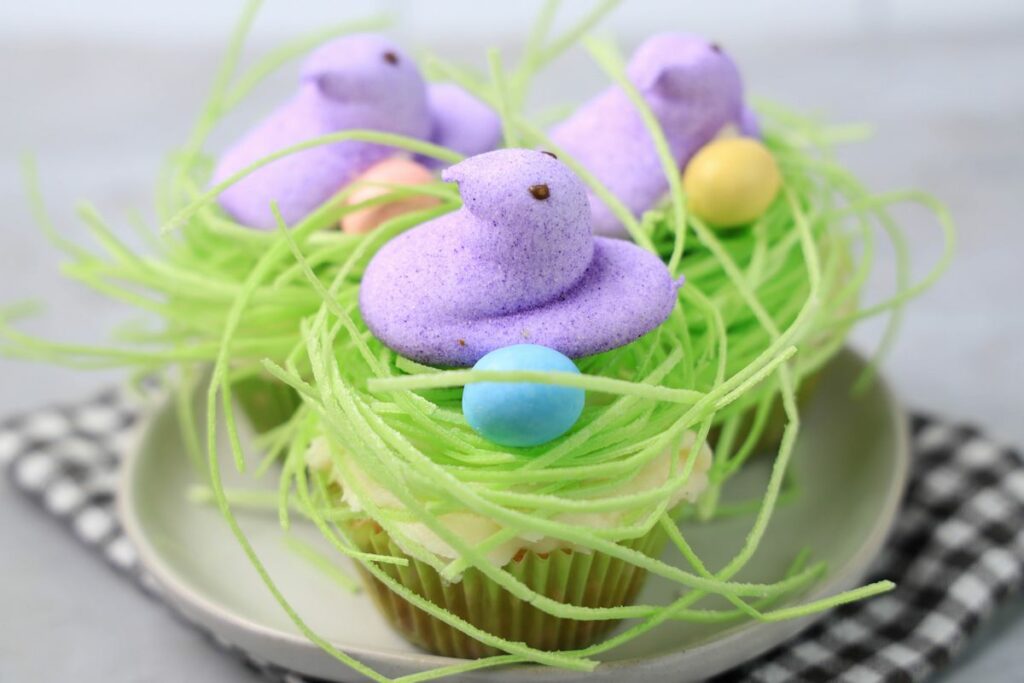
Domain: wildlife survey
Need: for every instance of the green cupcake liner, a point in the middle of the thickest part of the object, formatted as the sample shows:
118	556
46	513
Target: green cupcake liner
267	402
585	579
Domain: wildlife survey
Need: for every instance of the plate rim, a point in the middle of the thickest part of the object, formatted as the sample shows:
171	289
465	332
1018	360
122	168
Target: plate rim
177	590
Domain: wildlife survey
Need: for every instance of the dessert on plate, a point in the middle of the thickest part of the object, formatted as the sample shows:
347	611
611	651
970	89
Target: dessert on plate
495	362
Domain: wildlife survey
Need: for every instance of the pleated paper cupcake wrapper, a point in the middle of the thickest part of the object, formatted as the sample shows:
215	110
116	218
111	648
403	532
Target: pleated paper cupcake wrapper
267	402
568	576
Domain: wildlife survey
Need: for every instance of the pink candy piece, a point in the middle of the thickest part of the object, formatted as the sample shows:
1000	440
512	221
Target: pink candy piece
390	172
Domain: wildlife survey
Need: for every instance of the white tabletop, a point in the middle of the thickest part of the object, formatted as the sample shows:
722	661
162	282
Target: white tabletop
948	111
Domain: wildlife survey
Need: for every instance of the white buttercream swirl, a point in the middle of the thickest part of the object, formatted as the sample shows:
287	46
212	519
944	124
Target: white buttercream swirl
474	529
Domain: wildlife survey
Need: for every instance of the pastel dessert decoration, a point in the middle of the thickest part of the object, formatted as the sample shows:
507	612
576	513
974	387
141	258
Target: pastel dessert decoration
379	180
730	182
460	122
522	413
693	88
750	123
357	82
516	264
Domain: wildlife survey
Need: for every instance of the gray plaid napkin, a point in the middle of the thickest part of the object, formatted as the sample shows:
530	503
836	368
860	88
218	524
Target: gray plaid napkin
957	550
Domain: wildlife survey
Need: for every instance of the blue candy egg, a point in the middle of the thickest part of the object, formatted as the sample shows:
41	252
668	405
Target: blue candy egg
522	413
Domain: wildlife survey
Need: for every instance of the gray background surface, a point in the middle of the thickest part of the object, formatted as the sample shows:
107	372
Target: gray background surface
99	107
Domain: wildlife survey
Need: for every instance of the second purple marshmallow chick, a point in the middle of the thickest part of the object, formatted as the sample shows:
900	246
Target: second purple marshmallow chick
356	82
693	88
518	263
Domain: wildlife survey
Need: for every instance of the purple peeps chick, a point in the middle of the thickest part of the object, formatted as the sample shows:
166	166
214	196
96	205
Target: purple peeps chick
518	263
460	122
691	86
356	82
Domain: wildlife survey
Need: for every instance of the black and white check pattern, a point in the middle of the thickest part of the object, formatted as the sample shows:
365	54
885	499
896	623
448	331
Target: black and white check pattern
957	551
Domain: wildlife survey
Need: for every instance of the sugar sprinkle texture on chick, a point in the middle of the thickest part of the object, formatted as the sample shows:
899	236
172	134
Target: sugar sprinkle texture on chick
515	262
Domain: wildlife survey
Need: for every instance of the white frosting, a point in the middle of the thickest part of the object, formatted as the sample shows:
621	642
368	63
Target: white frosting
474	529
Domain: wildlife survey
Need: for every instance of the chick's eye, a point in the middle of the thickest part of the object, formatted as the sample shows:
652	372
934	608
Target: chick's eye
390	58
540	191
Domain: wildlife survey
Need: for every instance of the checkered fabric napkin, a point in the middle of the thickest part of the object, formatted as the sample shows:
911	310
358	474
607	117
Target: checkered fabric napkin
956	552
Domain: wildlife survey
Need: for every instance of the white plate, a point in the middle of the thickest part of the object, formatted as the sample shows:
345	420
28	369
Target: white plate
851	463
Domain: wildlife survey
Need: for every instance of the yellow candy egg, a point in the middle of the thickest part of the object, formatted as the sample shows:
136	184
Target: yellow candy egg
731	181
373	183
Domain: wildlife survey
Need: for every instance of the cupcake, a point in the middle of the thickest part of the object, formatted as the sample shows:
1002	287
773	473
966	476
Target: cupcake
560	570
517	262
517	507
496	525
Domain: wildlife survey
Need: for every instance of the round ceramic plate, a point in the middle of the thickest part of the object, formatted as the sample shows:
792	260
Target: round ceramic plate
850	467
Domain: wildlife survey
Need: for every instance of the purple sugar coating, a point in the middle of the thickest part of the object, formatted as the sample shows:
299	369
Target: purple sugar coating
692	87
510	268
356	82
750	124
461	122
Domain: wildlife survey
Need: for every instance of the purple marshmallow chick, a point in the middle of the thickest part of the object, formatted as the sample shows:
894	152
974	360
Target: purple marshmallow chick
516	264
692	87
460	122
357	82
